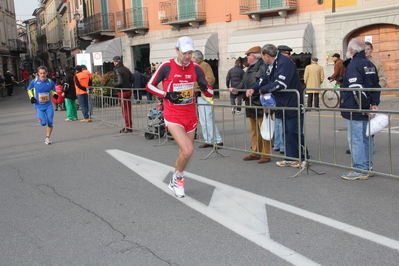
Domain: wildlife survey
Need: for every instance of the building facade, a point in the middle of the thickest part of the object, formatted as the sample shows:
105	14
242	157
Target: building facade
144	32
11	46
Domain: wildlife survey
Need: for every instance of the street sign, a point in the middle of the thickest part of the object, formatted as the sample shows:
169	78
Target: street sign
97	59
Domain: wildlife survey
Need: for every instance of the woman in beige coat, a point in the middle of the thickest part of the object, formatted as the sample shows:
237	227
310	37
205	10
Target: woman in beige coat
313	77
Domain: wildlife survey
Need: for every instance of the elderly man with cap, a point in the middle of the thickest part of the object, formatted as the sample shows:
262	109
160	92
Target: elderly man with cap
255	70
339	70
313	77
123	80
82	80
178	77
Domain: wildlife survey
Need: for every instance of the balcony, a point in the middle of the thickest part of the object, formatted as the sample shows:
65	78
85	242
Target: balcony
17	46
65	45
132	21
97	26
255	8
178	12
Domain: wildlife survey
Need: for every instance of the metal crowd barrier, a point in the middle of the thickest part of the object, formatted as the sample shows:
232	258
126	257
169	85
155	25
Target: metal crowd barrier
329	120
321	128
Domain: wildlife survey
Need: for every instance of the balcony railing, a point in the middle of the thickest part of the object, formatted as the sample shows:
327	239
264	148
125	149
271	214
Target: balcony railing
16	45
249	7
97	25
133	20
175	12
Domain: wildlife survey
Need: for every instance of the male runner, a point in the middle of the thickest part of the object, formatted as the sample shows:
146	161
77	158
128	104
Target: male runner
40	91
178	77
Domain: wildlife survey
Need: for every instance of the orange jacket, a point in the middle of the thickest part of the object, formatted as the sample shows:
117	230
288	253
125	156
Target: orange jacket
83	80
90	76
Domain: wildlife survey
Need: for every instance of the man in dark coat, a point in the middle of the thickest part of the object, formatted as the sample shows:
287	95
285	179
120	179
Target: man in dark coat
123	80
138	84
282	74
233	79
69	93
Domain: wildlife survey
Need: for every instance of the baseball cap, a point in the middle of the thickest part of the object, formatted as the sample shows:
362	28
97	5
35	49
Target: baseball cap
185	44
116	58
336	55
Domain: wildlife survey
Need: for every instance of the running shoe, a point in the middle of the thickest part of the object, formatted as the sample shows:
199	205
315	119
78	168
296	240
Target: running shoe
284	163
354	175
47	141
296	164
176	184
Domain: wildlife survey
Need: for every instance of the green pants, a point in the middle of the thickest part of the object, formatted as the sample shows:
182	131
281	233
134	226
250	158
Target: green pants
71	111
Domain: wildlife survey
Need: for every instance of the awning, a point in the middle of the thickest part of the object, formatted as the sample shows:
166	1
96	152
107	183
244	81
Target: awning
108	49
164	49
297	36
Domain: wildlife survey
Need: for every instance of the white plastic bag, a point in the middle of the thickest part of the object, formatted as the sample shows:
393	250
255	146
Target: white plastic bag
267	127
376	124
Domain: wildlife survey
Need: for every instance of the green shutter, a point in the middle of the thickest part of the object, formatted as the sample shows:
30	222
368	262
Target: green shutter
137	13
269	4
187	9
104	14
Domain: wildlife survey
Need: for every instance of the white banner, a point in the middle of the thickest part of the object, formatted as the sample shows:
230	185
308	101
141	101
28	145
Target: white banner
84	59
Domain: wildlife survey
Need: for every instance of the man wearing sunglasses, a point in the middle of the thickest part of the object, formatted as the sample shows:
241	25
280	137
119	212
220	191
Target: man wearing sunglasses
285	50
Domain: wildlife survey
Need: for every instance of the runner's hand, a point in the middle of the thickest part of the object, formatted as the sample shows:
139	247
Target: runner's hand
32	100
202	86
174	97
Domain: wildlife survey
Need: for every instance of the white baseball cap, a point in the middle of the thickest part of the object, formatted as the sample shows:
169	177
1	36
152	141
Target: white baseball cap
185	44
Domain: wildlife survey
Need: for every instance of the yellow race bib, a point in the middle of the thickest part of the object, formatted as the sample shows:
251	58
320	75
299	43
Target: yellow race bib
44	97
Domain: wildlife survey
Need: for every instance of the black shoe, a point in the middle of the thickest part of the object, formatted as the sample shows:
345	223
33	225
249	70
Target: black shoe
348	151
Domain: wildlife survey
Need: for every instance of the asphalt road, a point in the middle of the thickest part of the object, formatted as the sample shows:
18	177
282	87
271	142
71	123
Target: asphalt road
91	199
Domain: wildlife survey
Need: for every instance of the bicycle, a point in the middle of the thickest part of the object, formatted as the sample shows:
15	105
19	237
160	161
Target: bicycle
330	98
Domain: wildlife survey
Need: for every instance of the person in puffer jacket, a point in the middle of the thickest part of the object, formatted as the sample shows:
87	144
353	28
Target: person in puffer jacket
360	73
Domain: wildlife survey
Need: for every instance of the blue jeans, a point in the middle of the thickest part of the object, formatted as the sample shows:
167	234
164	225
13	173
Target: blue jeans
206	121
278	134
361	146
83	100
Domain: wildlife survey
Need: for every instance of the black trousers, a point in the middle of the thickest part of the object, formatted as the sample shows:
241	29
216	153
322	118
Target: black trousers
316	99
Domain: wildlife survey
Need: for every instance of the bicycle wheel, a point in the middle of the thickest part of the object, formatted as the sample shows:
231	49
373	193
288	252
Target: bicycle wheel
330	98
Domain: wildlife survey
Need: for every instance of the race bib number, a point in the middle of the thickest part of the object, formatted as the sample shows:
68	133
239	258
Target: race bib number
187	91
44	97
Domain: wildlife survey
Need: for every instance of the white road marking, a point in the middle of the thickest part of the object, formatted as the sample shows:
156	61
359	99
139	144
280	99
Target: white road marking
241	211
